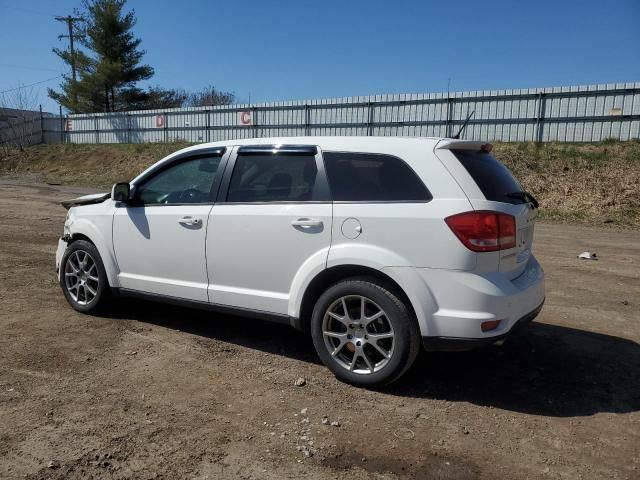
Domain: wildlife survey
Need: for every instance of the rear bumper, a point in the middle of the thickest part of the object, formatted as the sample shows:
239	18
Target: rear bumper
455	304
457	344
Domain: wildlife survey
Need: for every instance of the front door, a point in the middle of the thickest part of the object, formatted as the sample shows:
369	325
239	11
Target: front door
271	222
159	237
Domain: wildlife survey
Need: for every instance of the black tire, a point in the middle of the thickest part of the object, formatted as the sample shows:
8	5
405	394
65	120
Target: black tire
406	334
98	301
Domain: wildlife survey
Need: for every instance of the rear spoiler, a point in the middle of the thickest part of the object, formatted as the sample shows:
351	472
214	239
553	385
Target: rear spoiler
86	200
452	144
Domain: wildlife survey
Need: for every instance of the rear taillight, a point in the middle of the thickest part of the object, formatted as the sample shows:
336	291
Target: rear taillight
484	231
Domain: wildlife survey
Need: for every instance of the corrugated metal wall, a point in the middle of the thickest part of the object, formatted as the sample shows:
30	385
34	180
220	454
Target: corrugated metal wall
33	129
566	114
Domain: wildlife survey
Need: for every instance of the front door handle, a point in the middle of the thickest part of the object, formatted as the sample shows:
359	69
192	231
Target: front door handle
307	222
190	221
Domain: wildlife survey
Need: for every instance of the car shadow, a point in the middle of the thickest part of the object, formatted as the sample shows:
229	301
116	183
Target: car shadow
544	370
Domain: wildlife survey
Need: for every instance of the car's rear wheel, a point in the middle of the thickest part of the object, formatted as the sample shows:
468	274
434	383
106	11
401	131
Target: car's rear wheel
83	278
364	333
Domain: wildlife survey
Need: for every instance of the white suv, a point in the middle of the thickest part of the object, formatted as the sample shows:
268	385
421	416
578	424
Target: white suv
373	245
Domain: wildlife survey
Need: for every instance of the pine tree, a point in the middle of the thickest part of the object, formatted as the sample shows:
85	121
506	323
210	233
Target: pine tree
110	69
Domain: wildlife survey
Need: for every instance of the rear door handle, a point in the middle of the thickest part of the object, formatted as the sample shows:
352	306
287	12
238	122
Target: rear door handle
307	222
190	221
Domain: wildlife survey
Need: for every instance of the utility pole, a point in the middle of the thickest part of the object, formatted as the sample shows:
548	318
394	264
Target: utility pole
69	20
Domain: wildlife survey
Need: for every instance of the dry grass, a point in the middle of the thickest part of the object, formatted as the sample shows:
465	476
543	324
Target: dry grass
88	165
577	183
580	183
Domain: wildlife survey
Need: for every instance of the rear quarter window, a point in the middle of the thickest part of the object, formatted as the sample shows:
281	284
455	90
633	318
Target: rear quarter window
369	177
492	177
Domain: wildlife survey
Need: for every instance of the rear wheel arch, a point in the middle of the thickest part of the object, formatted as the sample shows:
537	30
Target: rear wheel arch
333	275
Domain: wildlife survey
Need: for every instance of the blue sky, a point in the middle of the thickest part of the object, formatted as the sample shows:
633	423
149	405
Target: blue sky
277	50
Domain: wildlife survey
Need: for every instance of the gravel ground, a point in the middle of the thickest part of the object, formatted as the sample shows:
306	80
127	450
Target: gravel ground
151	391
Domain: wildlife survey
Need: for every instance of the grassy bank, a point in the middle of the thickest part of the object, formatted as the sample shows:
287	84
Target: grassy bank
579	183
575	183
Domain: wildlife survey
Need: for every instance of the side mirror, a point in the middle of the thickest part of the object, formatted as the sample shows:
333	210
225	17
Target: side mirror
120	192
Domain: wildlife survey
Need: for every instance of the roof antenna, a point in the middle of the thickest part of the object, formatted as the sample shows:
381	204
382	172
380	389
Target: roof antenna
464	125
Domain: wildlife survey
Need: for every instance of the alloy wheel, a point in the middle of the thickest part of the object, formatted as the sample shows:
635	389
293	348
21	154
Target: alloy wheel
81	277
358	334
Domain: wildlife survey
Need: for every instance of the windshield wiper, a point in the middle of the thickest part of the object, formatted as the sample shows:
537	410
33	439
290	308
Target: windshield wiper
525	197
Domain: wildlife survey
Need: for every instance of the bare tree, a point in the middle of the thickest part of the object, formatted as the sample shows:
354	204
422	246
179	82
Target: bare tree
208	97
19	118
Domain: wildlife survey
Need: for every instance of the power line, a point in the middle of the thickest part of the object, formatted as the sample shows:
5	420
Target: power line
28	10
31	84
11	65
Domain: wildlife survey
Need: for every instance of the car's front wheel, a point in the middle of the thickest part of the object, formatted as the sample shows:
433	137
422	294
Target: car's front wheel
364	333
83	278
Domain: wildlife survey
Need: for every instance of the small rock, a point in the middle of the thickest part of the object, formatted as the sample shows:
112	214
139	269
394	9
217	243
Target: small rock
625	302
52	464
303	411
466	430
300	382
325	421
588	256
335	424
130	352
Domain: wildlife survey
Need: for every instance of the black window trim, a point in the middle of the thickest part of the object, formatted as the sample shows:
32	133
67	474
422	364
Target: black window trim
280	149
223	152
322	194
378	201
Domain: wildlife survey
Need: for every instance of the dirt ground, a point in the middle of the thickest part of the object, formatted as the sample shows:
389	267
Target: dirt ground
151	391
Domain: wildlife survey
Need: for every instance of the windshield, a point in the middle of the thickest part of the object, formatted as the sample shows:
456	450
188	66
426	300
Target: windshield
493	178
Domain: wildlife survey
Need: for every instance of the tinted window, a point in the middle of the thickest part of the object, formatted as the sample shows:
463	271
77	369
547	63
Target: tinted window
358	177
273	178
493	178
189	181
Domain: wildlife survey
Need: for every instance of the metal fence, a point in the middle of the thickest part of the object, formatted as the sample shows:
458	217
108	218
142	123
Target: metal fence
27	127
565	114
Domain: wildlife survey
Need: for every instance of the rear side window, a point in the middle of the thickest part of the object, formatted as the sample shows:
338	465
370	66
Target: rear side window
273	178
493	178
368	177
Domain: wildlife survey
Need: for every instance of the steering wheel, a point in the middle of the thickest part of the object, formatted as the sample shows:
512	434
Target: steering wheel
191	195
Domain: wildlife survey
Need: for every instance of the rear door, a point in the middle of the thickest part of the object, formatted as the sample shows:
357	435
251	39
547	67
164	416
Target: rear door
272	220
491	186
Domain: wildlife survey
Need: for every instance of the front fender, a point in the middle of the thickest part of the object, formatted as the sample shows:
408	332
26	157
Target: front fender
98	236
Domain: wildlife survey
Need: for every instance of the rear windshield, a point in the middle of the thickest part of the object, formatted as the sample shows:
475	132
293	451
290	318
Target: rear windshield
493	178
